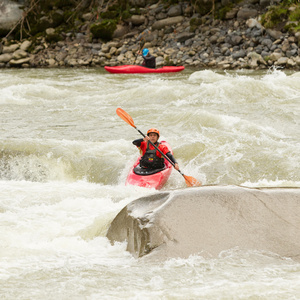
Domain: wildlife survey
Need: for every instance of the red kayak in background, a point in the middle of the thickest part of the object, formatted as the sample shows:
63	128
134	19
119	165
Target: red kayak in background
150	178
131	69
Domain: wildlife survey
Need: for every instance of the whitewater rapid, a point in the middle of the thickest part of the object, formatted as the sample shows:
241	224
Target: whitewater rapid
65	155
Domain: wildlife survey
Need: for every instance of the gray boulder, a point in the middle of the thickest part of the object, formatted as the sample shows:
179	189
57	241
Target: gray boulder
19	62
246	13
265	3
182	37
267	42
275	34
282	61
255	59
25	45
209	220
6	57
10	14
137	20
167	22
120	31
239	54
139	3
253	23
231	14
275	56
10	49
19	54
175	11
233	39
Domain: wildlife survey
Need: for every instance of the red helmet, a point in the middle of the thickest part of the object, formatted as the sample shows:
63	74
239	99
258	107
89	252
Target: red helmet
153	130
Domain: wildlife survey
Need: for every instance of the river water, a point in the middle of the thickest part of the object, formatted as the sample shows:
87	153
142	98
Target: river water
65	154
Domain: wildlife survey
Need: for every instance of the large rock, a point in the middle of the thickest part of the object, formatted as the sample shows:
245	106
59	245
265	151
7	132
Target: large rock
10	14
183	36
282	61
239	54
4	58
19	54
210	219
120	31
137	20
264	3
253	23
175	11
231	14
167	22
275	33
10	49
255	58
275	56
25	45
19	62
246	13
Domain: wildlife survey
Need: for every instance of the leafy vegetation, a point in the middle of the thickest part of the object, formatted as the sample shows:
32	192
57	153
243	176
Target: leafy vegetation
285	16
295	15
221	13
67	15
104	30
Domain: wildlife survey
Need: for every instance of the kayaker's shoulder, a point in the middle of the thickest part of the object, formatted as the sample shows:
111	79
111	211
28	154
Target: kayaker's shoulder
166	145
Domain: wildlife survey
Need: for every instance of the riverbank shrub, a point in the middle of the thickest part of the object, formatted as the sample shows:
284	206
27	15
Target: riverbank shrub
295	14
284	16
104	30
274	17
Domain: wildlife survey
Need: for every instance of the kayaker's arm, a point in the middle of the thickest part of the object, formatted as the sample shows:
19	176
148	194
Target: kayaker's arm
172	158
137	142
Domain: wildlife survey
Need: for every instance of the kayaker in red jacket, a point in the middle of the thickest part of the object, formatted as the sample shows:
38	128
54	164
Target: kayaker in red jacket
151	158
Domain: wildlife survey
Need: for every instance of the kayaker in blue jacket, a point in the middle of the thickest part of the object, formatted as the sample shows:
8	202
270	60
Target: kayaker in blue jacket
149	60
151	158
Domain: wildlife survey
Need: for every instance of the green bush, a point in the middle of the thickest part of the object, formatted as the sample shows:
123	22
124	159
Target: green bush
282	13
295	15
109	14
53	38
104	30
125	15
221	13
274	16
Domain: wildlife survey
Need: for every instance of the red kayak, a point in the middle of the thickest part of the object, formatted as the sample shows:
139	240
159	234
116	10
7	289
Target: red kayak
150	178
131	69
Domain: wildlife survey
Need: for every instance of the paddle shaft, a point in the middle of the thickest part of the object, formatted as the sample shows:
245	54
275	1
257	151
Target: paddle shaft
141	46
142	41
165	156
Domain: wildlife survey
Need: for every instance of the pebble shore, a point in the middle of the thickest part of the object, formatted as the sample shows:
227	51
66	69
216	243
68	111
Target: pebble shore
238	42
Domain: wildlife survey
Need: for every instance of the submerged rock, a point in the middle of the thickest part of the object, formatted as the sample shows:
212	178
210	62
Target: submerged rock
210	219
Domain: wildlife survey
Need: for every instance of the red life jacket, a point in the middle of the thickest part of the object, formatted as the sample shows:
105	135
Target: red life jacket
150	158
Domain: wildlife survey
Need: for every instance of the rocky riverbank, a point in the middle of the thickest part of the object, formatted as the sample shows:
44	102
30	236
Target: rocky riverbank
175	35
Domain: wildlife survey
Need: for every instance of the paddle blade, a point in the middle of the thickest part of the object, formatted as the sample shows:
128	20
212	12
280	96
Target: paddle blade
125	116
191	181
